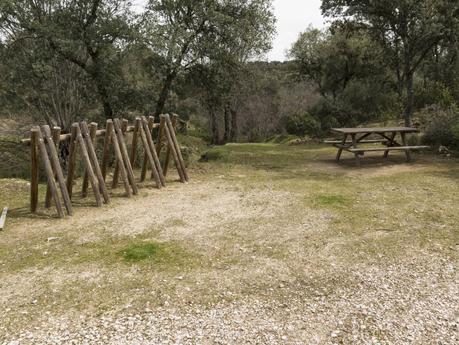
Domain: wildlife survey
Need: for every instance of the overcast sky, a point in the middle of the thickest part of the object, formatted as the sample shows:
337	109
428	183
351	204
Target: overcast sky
293	17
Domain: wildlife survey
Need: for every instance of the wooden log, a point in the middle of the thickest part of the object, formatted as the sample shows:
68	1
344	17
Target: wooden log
158	169
116	172
34	170
160	138
168	150
56	133
174	153
87	163
72	159
119	157
100	132
176	145
151	124
106	154
3	218
49	173
125	156
55	164
135	135
93	157
143	174
92	133
142	128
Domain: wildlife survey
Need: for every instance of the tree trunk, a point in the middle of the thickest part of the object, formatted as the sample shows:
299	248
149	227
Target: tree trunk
227	134
164	95
108	110
97	74
104	96
214	126
234	124
409	103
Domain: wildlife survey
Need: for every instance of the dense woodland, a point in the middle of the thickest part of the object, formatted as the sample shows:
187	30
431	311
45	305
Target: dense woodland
377	61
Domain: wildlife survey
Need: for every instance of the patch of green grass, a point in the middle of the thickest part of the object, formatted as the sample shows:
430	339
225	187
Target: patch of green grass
143	251
282	139
214	155
15	194
331	200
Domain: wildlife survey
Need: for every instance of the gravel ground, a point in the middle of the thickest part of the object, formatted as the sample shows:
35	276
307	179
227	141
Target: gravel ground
414	302
275	256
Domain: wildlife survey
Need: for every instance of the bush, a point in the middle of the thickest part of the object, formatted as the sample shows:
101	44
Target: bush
333	115
302	125
441	125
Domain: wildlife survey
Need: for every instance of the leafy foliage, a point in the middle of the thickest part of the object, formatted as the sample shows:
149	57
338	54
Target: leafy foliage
406	31
441	125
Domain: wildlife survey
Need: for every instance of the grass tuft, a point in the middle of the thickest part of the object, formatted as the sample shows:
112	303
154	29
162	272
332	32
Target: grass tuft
331	200
140	252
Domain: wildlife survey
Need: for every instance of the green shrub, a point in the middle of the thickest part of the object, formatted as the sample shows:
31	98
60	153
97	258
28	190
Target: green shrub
441	125
455	131
302	125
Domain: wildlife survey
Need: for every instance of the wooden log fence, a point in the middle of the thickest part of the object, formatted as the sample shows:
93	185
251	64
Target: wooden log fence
82	140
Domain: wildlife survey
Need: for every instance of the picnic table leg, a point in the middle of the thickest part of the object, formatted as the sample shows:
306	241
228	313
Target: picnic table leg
389	144
407	152
340	150
354	145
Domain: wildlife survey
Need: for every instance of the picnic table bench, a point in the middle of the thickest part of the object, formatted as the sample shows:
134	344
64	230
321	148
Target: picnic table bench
353	137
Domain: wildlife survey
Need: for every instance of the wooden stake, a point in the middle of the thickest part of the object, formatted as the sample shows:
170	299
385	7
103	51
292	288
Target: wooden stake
143	174
107	142
125	156
176	145
56	138
116	172
119	157
49	173
72	158
174	153
151	145
148	152
92	133
160	139
34	170
87	162
57	166
93	157
168	150
134	143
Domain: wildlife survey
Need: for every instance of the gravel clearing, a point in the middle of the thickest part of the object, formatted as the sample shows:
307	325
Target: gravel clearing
414	302
267	248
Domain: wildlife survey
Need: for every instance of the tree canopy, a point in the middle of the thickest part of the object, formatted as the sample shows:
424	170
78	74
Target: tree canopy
407	31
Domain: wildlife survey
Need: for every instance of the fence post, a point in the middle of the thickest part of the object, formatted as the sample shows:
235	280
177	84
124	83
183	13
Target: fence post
33	170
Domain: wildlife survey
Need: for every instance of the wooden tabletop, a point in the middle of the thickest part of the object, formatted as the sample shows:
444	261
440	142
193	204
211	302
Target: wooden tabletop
375	130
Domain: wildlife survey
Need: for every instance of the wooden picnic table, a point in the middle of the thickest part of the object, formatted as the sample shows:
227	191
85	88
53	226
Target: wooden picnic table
387	136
